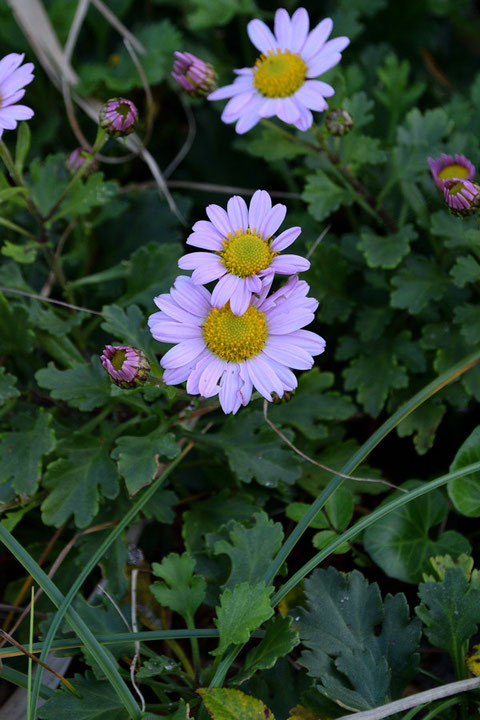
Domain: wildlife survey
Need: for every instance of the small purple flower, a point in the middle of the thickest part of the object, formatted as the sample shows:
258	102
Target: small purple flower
13	79
127	366
118	117
243	253
461	196
447	167
77	158
282	83
216	351
196	77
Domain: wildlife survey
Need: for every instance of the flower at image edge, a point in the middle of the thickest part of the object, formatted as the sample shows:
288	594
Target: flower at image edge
447	167
216	351
282	83
461	196
244	256
13	79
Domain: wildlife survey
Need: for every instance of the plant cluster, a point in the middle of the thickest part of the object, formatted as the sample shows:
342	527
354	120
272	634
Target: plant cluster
196	412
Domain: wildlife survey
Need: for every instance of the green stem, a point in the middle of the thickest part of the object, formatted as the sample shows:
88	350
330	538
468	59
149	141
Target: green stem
30	661
100	552
194	644
17	178
17	228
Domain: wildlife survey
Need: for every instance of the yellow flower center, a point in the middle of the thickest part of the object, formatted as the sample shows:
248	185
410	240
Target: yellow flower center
453	171
235	338
118	359
246	253
279	74
455	189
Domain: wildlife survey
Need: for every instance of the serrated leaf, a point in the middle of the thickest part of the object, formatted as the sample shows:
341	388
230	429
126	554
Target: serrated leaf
182	591
98	701
417	284
450	610
464	492
137	455
85	387
50	179
21	452
387	251
323	196
241	611
250	549
7	386
76	482
468	317
52	322
400	542
272	146
229	704
15	333
358	150
127	327
143	279
93	192
373	376
279	640
25	254
422	423
348	639
466	270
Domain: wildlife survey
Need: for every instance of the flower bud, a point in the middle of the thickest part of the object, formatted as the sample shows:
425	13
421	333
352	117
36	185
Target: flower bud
447	167
461	196
127	366
338	122
77	158
196	77
118	117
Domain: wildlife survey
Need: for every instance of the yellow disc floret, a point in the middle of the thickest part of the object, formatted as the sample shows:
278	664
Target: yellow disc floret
453	171
235	338
246	253
279	74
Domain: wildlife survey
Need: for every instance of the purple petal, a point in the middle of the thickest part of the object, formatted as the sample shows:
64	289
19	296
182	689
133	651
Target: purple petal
289	264
285	239
287	110
229	395
309	341
250	116
261	36
172	332
317	38
311	99
197	259
299	24
173	376
260	205
272	220
279	349
183	353
208	380
173	310
263	377
196	371
288	379
321	88
194	299
240	299
337	45
209	242
321	63
207	273
219	218
224	289
228	91
238	213
254	284
10	63
305	119
236	106
247	387
282	27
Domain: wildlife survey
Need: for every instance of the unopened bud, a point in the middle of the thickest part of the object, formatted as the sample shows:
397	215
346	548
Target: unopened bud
77	158
127	366
338	122
461	196
118	117
196	77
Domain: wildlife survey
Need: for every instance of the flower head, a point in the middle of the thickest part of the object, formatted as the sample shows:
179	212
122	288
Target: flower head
338	122
196	77
13	79
473	660
218	352
118	117
127	366
448	167
461	196
244	256
281	81
77	158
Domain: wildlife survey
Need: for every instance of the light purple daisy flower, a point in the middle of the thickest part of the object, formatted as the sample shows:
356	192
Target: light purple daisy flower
461	196
216	351
244	255
282	80
447	167
13	79
127	366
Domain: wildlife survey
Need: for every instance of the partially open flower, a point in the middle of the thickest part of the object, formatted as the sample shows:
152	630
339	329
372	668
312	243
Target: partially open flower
449	167
118	117
127	366
77	158
338	122
461	196
196	77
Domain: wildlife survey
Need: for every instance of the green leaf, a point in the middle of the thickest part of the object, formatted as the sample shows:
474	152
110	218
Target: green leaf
25	254
296	511
76	482
465	492
254	451
348	633
358	150
52	322
339	508
203	15
422	423
143	279
466	270
15	333
98	701
417	284
183	592
21	452
468	317
279	640
323	196
228	704
137	456
421	133
310	404
400	542
7	389
85	387
241	611
23	145
250	549
93	192
373	376
386	252
450	610
323	538
272	146
50	179
128	327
